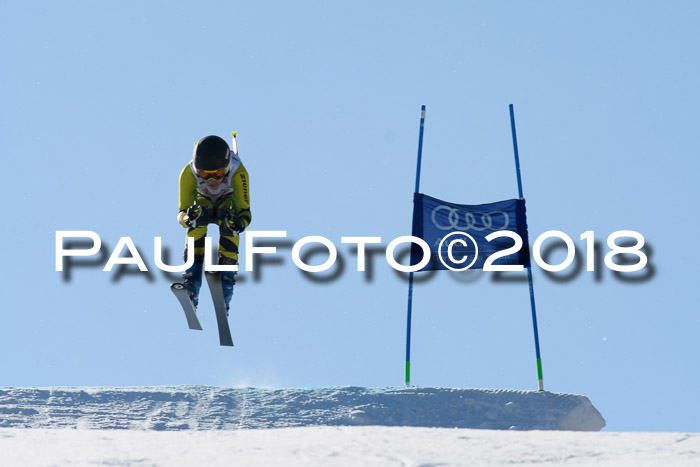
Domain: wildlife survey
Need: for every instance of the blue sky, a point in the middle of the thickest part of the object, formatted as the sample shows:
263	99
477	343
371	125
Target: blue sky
102	102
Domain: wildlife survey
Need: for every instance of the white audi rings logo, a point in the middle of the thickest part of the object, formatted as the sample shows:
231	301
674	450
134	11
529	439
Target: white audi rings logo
470	219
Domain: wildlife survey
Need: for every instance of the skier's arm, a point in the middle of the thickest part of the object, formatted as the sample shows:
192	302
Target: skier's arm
188	188
241	195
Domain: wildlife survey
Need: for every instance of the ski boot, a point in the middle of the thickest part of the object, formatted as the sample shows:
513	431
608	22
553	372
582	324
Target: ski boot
228	280
192	278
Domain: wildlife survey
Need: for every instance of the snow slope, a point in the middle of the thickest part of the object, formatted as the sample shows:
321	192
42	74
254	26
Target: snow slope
417	426
205	408
344	446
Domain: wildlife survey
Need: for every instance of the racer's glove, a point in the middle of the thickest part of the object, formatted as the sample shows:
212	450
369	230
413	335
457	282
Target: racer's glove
196	216
231	225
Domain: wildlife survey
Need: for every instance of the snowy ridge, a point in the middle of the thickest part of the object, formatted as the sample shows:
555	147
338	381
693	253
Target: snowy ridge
207	407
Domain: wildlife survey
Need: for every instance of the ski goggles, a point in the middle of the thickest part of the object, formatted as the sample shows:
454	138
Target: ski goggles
212	174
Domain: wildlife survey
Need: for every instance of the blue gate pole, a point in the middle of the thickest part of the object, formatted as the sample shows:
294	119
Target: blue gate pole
540	381
410	274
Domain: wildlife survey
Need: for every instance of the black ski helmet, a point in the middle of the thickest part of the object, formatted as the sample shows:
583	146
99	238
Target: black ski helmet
211	153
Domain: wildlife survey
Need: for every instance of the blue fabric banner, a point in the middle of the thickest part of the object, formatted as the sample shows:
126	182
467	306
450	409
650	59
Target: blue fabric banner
435	220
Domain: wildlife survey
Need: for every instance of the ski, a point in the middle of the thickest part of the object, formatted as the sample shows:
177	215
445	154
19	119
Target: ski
183	297
217	295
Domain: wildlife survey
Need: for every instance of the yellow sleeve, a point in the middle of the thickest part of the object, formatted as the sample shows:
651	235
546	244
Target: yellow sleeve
241	194
188	191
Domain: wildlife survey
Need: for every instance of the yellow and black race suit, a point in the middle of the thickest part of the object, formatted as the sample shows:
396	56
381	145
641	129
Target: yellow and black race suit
232	197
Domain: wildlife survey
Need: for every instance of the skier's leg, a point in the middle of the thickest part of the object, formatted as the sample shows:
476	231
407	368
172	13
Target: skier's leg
228	255
192	277
228	249
193	282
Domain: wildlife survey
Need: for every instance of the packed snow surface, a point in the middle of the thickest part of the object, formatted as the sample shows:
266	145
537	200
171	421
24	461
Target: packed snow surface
346	426
344	446
206	408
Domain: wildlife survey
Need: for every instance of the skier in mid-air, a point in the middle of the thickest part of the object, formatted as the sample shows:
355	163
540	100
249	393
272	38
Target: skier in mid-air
214	189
